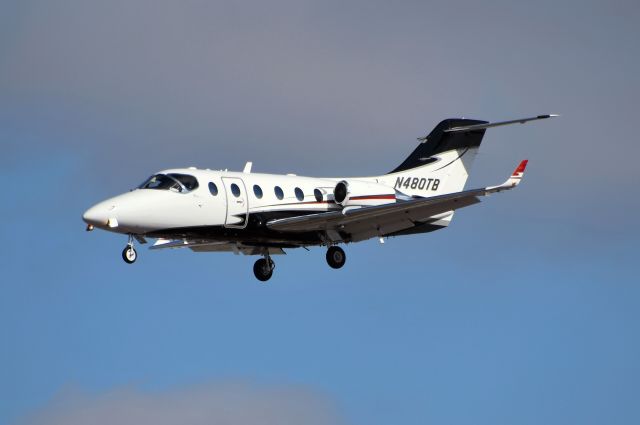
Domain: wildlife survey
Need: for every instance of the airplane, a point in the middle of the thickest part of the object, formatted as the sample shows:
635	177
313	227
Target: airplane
264	214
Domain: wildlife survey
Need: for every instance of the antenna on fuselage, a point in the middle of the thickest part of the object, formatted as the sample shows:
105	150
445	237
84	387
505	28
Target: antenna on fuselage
247	167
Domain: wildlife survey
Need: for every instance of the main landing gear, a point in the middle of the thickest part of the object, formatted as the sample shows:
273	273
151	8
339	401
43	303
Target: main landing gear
129	254
336	257
263	268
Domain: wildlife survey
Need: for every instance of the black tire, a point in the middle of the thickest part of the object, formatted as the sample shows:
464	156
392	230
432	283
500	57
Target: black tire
336	257
263	270
129	255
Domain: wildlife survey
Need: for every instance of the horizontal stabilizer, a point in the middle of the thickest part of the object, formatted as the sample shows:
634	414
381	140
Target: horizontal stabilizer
497	124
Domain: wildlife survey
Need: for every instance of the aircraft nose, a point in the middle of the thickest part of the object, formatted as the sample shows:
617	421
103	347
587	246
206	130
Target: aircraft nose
101	214
124	213
96	215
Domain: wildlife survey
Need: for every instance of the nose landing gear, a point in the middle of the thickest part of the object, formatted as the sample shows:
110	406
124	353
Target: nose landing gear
336	257
263	268
129	254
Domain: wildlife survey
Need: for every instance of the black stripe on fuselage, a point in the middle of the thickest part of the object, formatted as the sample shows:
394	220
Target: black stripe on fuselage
258	234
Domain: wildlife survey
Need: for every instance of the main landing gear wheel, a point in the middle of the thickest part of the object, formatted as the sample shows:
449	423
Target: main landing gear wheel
336	257
129	254
263	269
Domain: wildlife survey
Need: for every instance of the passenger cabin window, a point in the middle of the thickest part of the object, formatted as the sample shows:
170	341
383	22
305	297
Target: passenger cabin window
175	182
257	190
278	191
213	188
318	195
235	190
299	194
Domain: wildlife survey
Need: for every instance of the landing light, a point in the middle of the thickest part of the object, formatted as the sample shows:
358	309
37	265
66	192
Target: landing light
89	227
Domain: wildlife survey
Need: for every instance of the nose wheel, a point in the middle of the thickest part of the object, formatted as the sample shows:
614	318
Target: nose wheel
336	257
129	254
263	269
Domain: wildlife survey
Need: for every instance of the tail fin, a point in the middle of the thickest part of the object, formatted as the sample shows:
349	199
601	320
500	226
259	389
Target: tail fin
439	141
441	163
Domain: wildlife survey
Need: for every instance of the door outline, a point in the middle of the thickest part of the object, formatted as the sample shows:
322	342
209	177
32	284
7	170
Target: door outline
243	198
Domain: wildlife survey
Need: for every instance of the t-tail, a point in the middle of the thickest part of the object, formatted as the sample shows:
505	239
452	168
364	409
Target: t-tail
442	161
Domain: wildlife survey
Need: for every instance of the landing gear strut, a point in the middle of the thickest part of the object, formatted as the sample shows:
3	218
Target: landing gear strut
263	268
336	257
129	254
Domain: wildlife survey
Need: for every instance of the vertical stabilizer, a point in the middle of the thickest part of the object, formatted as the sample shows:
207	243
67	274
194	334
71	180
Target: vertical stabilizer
441	163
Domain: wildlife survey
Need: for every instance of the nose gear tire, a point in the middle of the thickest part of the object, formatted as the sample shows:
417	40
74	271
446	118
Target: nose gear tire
129	255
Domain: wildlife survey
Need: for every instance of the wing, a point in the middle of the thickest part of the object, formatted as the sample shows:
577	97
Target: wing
204	245
364	223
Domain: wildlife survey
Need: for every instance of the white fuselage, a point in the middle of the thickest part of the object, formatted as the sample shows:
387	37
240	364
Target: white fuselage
235	206
224	198
263	214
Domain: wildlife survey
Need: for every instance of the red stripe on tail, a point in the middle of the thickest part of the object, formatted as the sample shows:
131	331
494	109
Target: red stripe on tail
521	167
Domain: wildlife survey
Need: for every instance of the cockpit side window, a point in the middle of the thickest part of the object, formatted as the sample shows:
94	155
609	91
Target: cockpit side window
176	182
189	182
161	182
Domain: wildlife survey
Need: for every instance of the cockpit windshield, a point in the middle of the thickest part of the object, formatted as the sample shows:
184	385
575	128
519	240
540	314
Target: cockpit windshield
175	182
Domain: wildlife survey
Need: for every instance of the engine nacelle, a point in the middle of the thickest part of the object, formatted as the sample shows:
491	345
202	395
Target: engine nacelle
341	192
360	193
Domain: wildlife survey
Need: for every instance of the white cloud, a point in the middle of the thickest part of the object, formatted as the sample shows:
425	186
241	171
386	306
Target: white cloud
220	404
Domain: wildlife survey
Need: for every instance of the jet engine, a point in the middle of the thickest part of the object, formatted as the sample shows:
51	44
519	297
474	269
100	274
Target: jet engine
360	193
341	192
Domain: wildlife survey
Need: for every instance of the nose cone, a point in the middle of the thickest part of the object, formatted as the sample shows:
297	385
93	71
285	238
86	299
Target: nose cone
126	213
97	215
103	214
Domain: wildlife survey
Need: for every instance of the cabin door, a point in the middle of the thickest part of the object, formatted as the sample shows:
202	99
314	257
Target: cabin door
237	202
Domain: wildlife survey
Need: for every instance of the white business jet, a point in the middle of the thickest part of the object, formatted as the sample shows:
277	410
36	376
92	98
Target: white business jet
264	214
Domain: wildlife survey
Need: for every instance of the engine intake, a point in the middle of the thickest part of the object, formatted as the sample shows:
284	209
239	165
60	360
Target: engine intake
358	193
340	192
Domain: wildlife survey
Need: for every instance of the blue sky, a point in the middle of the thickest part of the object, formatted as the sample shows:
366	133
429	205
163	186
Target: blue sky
525	310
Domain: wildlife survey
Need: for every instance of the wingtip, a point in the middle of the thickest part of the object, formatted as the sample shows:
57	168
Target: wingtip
521	167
